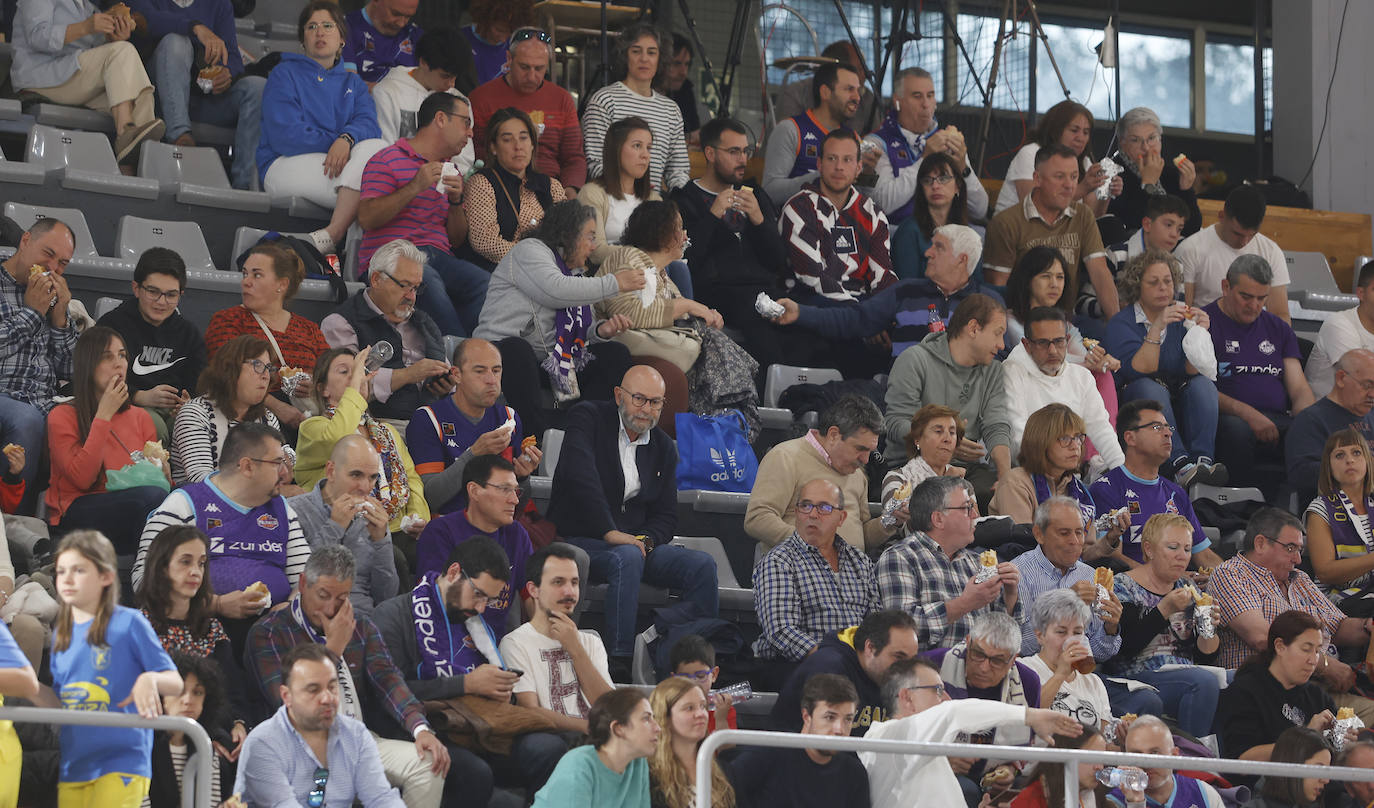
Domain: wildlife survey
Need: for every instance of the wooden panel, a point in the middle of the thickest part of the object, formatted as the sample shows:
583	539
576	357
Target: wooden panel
754	170
1341	237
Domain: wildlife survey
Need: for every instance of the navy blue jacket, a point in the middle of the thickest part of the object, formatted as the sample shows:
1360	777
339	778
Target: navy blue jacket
589	484
904	307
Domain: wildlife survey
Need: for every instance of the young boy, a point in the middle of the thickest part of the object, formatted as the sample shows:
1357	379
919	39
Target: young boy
1160	228
693	657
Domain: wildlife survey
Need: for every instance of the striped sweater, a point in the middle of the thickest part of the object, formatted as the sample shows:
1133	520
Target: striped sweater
669	167
842	254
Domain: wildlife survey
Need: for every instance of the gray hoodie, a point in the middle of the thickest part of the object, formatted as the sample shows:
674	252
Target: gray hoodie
925	373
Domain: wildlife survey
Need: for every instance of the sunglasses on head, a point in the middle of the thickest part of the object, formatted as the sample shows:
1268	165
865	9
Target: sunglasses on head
531	33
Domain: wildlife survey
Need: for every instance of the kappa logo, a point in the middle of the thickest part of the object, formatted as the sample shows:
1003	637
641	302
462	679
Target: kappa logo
268	522
211	508
1131	494
452	444
810	136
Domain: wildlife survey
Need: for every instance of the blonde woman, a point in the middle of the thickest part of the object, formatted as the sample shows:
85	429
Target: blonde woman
1338	529
681	711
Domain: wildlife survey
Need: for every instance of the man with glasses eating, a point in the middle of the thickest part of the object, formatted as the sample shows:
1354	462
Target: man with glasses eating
1138	487
307	753
166	350
615	496
934	576
814	582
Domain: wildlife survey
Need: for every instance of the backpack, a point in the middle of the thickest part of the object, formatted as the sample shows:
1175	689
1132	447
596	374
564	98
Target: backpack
316	266
672	623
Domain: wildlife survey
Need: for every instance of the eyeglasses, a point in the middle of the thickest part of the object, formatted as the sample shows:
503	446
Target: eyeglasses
1043	344
405	287
1157	426
939	689
1291	548
823	508
1366	385
316	797
640	399
312	27
700	676
968	507
1068	440
278	462
171	295
504	489
531	33
739	151
937	179
481	597
977	655
1135	140
260	367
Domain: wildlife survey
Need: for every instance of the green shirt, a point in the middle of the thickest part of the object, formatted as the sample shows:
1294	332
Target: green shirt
582	779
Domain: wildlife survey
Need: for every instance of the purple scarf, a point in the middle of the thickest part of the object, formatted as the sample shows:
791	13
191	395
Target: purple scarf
1074	490
569	353
432	637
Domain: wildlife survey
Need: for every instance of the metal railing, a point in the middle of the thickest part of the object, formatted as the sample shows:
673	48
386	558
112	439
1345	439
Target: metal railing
1070	758
195	782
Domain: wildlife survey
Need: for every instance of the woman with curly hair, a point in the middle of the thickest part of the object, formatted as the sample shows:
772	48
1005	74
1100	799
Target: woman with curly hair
642	55
1147	336
681	712
493	21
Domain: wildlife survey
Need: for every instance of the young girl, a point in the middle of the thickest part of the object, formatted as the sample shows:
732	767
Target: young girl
104	767
201	700
174	595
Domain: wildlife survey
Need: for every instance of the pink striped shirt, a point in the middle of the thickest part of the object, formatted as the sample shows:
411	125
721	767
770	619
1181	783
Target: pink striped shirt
424	221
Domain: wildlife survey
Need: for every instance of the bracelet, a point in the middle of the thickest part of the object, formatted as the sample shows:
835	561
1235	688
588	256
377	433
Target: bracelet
347	137
1159	341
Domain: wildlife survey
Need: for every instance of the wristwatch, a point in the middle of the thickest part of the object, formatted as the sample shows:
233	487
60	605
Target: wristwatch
647	541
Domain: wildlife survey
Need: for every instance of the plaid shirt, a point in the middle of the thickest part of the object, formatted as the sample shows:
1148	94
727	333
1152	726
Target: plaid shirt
374	674
1240	585
799	599
33	354
1038	576
916	576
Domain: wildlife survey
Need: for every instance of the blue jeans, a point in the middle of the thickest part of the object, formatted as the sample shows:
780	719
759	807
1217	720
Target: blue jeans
1189	695
25	425
681	276
120	515
240	106
623	568
1124	700
455	291
1196	399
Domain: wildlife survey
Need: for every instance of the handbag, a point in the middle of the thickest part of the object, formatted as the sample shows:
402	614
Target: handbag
140	472
679	345
714	453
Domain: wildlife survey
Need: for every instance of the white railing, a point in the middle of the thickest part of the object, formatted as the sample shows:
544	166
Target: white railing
195	783
1070	758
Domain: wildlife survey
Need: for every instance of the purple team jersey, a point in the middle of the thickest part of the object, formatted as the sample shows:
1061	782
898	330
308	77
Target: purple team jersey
1144	498
444	533
438	434
1250	358
372	53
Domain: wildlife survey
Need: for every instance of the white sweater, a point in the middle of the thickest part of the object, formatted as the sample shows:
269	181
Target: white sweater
1028	390
928	779
398	97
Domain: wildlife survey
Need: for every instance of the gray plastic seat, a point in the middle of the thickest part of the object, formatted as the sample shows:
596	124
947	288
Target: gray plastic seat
732	595
553	445
86	162
781	377
87	253
67	117
196	175
23	173
137	234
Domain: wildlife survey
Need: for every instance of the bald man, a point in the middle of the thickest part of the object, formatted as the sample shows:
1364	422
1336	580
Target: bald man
1148	735
835	577
615	496
1349	404
474	421
343	509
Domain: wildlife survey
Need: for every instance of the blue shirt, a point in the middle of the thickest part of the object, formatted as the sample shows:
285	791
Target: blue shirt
370	53
305	108
277	767
41	58
1144	498
1039	576
1126	333
98	678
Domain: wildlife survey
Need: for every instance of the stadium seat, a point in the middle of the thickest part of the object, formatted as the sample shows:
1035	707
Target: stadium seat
62	116
246	237
553	443
1225	496
732	595
137	235
86	163
87	253
451	343
23	173
195	174
781	377
104	306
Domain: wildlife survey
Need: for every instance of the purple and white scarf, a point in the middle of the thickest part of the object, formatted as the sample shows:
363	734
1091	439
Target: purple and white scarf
569	354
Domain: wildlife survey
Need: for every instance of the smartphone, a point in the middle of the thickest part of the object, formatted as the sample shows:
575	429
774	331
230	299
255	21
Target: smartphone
515	671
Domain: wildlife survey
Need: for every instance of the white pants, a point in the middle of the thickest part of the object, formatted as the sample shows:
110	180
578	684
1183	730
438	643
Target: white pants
405	769
303	174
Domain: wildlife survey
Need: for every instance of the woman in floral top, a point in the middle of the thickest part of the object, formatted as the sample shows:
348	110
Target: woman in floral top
174	595
1158	626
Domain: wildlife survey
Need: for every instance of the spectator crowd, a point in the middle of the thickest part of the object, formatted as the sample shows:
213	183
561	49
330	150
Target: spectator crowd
353	552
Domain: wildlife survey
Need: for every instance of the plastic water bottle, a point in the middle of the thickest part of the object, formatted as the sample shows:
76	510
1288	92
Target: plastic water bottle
738	692
936	324
734	218
1124	779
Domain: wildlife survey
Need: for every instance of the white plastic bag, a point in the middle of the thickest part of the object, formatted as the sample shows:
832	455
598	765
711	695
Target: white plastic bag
1197	346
